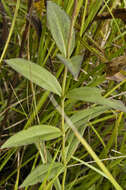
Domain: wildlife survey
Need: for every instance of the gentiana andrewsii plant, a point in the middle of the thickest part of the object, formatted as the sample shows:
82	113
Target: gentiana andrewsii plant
63	33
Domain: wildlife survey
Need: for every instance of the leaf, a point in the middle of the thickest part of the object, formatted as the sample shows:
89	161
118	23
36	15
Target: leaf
80	119
72	64
92	187
36	74
32	135
93	95
51	159
59	25
84	116
39	173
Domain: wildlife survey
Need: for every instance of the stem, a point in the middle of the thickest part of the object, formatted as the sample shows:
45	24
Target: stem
71	28
63	94
64	178
63	130
11	31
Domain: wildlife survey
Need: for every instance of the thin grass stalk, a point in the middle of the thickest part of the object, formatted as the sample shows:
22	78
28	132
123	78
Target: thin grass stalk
15	171
82	26
117	129
113	18
97	134
83	18
113	89
18	172
11	31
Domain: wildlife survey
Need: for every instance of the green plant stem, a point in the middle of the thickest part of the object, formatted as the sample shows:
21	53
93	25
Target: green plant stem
63	93
64	178
11	31
71	28
63	129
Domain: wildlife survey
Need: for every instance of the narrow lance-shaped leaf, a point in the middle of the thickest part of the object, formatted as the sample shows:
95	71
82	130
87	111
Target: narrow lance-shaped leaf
73	64
39	173
93	95
32	135
59	25
36	74
82	117
80	120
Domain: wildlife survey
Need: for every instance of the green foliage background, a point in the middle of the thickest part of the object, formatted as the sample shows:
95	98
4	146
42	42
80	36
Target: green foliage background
23	104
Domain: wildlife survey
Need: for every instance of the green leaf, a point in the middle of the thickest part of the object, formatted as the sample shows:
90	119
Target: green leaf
36	74
59	24
92	187
51	159
39	173
32	135
80	119
73	64
92	94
